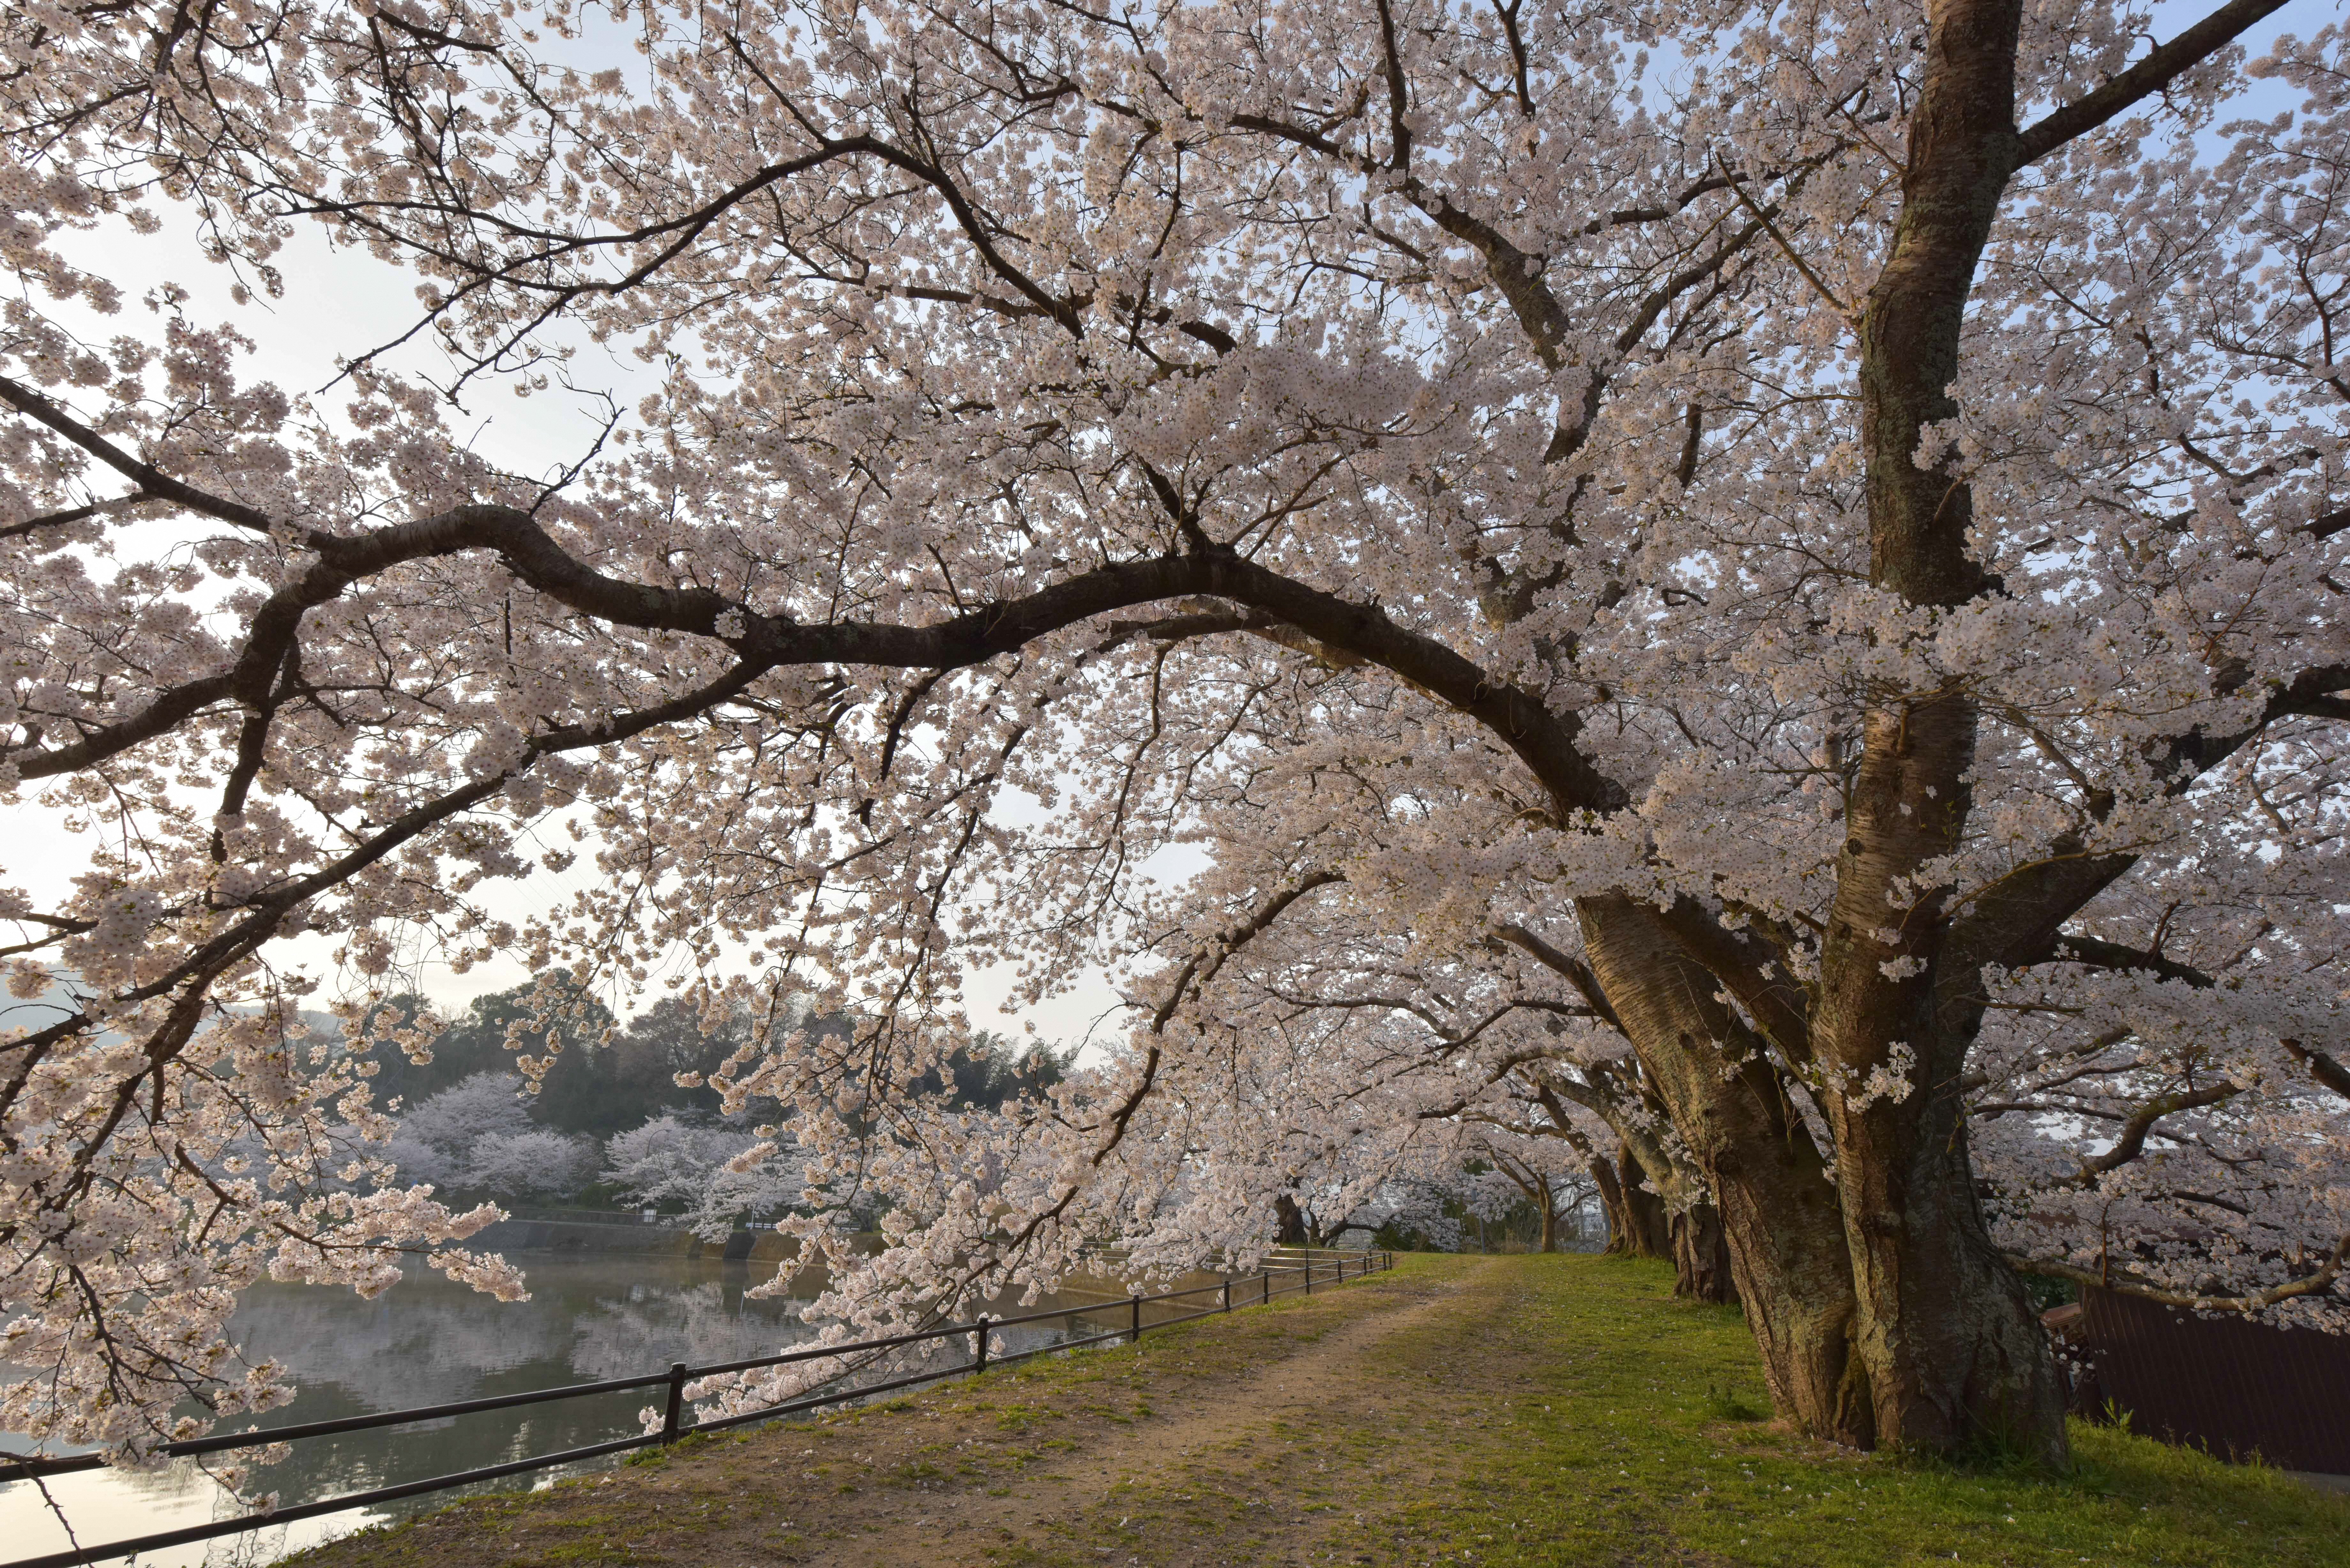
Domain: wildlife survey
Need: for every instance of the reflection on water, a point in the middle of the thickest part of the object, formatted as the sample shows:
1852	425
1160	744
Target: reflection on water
430	1342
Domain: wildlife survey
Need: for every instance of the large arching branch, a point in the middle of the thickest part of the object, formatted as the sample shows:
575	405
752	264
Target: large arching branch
1518	717
2317	1282
2167	63
2014	921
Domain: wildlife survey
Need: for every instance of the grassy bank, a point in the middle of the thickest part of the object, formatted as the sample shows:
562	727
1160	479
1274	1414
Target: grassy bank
1635	1436
1496	1411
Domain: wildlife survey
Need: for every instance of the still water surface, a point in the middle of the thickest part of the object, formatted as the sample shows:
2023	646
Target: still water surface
430	1342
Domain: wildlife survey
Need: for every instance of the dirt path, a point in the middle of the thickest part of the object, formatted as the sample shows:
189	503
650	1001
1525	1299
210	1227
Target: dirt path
1459	1413
1210	1444
1196	1437
1204	1426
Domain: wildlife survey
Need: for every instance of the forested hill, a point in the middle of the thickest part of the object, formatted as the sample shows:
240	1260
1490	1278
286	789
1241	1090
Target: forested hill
599	1087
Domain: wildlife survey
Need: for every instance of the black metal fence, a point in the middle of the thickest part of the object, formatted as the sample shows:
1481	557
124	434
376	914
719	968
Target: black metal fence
1241	1292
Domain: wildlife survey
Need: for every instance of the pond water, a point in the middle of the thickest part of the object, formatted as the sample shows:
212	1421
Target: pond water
430	1342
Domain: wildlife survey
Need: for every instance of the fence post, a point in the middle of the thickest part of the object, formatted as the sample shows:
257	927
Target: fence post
1268	1289
1228	1296
676	1402
979	1345
1135	1334
1309	1273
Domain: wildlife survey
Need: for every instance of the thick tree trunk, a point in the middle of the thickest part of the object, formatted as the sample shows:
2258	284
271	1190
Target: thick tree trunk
1794	1277
1778	1210
1549	1225
1955	1354
1292	1230
1955	1357
1701	1267
1637	1225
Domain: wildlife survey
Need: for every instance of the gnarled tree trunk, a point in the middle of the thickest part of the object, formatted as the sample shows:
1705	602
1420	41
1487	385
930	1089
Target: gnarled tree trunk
1955	1354
1637	1226
1955	1357
1701	1266
1779	1214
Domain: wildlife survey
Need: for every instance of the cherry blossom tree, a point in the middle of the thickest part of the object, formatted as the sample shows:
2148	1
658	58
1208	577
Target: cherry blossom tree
721	1176
435	1140
539	1163
1778	569
1544	1173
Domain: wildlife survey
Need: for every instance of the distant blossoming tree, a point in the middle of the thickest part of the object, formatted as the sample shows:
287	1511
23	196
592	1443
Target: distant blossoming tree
476	1136
1545	1174
719	1177
1777	569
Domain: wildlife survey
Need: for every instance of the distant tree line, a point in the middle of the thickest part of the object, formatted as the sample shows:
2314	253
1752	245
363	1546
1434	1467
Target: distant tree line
610	1121
606	1076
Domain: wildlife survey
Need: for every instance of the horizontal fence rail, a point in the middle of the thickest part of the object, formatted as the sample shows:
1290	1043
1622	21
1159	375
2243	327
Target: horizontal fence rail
1241	1290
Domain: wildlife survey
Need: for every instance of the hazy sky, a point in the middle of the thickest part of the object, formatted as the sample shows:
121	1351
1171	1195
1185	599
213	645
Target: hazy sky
344	302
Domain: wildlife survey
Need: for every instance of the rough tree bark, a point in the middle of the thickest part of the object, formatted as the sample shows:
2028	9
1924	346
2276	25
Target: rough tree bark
1955	1355
1701	1266
1636	1216
1785	1236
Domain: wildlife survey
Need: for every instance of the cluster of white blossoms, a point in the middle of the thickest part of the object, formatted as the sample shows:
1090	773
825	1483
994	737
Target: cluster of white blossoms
1502	566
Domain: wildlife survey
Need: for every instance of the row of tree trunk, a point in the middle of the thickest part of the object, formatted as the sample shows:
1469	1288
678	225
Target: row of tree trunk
1640	1226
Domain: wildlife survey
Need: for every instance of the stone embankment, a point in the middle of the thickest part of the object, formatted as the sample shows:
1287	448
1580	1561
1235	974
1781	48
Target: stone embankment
630	1236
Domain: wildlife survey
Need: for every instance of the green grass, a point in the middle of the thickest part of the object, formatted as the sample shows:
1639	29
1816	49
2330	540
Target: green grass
1618	1425
1545	1412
